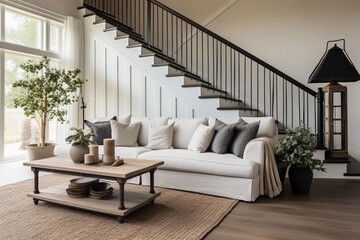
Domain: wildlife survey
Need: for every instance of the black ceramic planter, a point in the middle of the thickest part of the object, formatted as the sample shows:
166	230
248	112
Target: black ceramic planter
300	179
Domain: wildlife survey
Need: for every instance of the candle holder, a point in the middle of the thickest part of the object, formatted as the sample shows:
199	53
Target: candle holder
109	151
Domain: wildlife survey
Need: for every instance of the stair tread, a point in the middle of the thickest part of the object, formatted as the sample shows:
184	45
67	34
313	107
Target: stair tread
336	160
237	108
205	85
169	64
220	96
353	168
159	56
185	74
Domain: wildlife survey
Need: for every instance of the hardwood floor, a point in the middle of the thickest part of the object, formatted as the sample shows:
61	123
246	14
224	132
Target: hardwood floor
330	211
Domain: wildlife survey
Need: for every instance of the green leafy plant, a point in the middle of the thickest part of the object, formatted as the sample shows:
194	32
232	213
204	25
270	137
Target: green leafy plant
45	92
297	148
80	137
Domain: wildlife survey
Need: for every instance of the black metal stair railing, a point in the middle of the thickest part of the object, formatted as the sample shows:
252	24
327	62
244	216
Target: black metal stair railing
213	59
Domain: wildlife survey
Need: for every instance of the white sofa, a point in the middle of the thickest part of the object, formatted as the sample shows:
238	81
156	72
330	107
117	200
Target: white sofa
224	175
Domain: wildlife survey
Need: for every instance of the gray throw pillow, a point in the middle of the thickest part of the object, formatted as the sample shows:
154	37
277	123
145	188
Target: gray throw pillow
222	137
242	135
101	129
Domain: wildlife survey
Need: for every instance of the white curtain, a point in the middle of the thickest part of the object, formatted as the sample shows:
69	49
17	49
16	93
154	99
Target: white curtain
72	58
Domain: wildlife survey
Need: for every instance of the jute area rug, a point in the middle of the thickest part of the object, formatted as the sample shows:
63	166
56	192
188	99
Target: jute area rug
174	215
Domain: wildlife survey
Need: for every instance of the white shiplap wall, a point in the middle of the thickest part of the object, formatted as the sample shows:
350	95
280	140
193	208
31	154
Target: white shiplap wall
117	86
120	83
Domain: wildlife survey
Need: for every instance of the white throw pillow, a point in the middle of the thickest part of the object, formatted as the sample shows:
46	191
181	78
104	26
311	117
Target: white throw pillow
160	137
202	138
125	134
143	137
184	129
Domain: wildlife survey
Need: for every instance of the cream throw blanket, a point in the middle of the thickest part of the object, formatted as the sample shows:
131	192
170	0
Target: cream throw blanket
272	183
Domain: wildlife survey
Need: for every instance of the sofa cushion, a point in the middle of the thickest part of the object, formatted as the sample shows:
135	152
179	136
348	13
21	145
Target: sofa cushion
243	134
102	129
125	134
201	138
160	137
207	163
222	138
184	129
143	138
126	152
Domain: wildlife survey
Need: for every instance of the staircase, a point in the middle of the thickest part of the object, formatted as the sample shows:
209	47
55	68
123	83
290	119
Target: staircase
204	64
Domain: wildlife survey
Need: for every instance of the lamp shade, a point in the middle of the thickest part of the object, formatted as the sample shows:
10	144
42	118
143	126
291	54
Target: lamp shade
334	66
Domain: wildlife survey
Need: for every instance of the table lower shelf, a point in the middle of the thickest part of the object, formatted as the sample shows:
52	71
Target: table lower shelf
135	197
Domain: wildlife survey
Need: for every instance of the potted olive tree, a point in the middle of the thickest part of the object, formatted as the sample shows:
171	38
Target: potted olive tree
296	148
44	93
80	141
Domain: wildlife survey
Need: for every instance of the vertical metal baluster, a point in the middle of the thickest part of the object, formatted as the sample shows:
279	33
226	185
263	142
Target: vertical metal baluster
208	56
239	76
276	95
257	89
162	29
221	66
181	43
186	44
202	56
283	102
299	99
264	87
307	109
245	70
251	83
226	68
157	27
191	49
230	73
172	36
292	106
286	105
153	24
167	33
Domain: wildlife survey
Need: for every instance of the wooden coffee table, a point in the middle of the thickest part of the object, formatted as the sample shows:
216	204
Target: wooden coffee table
122	202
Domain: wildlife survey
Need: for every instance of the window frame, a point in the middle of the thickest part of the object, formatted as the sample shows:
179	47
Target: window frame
47	19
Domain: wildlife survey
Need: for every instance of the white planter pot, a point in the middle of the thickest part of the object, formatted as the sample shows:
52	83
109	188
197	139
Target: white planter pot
35	152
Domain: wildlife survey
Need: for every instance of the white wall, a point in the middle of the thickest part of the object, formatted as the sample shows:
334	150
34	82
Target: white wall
291	35
63	7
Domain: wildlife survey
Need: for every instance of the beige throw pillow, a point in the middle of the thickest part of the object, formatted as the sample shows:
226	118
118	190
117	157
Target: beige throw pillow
125	134
201	138
160	137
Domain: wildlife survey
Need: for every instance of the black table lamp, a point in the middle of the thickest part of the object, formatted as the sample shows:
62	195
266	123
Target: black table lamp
335	66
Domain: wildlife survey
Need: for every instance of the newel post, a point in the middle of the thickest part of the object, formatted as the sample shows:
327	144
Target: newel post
320	119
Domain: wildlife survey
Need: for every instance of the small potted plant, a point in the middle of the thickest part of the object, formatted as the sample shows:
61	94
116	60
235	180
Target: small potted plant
80	141
44	93
296	149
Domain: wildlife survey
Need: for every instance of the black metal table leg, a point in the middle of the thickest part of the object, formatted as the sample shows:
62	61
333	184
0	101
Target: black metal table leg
122	193
36	180
152	190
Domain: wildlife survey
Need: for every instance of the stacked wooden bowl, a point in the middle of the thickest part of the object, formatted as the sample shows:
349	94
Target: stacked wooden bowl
101	190
80	187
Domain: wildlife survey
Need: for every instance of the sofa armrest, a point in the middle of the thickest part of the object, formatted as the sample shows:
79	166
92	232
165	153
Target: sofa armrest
255	151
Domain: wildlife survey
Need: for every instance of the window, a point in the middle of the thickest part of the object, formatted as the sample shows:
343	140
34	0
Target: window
25	36
23	30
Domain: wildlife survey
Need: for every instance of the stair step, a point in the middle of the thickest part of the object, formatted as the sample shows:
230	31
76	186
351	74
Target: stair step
207	86
186	74
89	15
336	160
220	96
353	168
169	59
237	108
169	64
